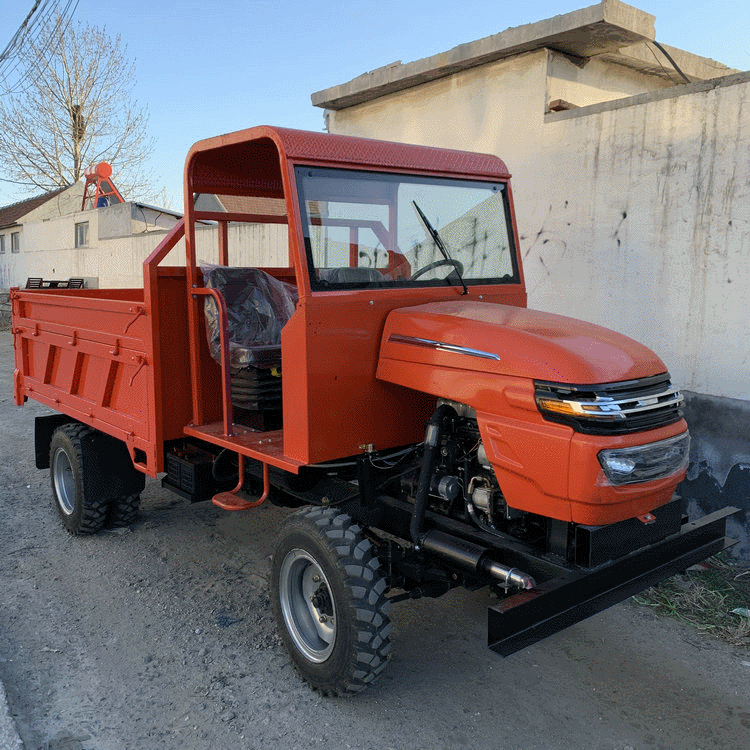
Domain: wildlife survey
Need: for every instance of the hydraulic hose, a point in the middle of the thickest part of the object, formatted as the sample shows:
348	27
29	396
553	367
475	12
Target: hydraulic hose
432	438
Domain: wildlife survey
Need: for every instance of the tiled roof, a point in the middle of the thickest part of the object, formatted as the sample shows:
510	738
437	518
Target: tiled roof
9	215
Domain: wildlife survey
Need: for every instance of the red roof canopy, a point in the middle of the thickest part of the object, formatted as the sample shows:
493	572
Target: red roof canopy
249	161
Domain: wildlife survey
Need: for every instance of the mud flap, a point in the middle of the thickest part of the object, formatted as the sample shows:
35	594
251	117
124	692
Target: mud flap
530	616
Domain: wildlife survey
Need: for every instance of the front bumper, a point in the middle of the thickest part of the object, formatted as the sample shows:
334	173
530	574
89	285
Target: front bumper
525	618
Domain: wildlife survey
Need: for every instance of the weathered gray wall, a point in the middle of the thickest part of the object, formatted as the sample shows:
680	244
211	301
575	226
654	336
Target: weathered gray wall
656	189
633	213
669	257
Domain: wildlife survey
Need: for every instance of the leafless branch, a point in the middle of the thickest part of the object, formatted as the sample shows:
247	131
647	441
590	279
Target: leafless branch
76	110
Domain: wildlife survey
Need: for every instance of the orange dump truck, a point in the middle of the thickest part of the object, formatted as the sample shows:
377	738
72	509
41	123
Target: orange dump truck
382	374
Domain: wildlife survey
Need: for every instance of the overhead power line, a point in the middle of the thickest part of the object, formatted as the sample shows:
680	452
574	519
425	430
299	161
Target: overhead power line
12	69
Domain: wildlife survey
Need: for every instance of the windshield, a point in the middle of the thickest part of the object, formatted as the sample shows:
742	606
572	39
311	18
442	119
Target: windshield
369	230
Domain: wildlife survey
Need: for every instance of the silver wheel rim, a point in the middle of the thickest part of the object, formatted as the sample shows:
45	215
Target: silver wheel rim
65	482
307	605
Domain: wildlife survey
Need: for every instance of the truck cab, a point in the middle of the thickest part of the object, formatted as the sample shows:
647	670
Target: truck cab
409	289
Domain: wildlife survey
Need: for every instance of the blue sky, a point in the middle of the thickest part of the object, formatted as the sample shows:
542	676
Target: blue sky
203	69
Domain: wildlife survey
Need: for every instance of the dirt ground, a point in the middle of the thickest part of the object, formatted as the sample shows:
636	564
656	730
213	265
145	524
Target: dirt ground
161	637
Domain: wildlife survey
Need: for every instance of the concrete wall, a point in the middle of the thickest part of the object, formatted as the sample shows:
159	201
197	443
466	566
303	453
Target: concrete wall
660	191
63	204
495	108
123	219
633	213
659	199
594	81
120	238
117	261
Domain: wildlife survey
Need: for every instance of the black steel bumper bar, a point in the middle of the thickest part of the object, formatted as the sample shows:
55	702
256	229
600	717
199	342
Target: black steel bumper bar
530	616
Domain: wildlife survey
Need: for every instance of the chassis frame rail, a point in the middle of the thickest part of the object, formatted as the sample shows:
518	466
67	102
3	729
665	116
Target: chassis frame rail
530	616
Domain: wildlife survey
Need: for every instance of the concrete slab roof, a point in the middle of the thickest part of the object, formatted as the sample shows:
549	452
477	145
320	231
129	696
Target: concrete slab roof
607	28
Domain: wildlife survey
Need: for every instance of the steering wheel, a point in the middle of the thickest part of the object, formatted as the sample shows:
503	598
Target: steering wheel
457	265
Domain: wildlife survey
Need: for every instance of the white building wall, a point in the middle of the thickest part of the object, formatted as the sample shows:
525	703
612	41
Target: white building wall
634	214
476	110
649	232
65	203
118	262
583	83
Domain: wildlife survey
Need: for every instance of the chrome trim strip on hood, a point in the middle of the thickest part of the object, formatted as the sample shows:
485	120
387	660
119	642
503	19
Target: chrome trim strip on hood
441	346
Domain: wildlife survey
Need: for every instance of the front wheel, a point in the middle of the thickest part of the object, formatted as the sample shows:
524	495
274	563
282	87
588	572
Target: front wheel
329	603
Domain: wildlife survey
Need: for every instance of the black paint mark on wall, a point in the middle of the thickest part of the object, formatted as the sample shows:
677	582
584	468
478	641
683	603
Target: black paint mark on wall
719	471
616	235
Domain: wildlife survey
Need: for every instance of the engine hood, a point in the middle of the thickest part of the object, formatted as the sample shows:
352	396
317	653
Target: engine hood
512	341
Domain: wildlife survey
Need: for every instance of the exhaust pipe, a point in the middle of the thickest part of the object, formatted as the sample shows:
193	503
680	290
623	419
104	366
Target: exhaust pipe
474	558
433	436
510	576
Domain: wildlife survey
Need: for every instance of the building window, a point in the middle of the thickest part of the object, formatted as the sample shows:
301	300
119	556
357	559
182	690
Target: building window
82	234
15	242
2	244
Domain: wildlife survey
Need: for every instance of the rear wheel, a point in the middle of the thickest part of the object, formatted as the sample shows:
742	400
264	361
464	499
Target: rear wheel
94	482
329	603
73	456
123	510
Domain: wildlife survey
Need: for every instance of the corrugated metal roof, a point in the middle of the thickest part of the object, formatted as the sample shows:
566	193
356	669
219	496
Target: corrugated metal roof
9	215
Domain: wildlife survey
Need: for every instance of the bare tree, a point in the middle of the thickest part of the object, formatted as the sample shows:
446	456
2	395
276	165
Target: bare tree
74	110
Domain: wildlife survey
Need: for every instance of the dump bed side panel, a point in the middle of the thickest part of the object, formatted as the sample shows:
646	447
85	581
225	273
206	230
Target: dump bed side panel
172	403
89	356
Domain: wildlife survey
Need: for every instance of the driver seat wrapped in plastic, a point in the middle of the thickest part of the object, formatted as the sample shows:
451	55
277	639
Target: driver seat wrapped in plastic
258	307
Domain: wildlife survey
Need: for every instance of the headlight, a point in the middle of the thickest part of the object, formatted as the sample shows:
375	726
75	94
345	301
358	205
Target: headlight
644	463
611	408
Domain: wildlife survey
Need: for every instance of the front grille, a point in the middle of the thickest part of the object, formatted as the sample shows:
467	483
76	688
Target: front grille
611	408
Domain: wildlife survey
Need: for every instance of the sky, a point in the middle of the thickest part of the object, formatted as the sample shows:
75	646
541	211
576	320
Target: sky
203	69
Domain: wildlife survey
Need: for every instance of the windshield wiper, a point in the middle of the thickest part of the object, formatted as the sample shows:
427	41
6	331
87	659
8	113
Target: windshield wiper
437	239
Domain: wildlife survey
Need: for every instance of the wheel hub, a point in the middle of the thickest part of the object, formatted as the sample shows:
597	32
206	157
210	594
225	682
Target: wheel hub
62	475
321	600
307	605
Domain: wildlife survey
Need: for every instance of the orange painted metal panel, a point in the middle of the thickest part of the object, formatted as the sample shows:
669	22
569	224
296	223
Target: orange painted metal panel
526	343
329	362
333	401
267	447
89	358
170	346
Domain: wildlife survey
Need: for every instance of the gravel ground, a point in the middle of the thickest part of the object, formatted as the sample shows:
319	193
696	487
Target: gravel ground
4	311
9	739
160	637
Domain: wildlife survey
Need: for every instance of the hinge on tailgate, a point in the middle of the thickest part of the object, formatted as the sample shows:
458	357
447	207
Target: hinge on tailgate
140	361
138	312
